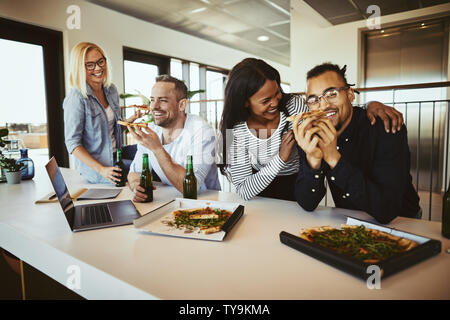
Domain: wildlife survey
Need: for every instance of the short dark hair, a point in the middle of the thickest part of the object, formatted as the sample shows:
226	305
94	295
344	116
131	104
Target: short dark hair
328	66
180	88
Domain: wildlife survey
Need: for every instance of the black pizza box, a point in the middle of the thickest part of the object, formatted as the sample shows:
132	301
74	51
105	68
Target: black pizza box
155	222
427	248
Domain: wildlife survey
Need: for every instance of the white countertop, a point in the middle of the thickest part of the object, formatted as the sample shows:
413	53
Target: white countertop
252	263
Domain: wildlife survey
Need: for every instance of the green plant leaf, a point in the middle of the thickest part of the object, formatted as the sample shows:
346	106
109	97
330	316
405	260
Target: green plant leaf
190	94
145	100
149	118
126	95
3	132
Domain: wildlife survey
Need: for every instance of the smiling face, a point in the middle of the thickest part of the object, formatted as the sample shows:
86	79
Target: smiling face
340	109
264	103
164	104
97	75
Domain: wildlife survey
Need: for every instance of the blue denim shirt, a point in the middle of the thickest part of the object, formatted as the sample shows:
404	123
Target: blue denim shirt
86	124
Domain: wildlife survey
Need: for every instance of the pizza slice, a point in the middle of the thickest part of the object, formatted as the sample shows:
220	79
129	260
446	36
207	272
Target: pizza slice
133	124
317	113
205	220
143	107
211	230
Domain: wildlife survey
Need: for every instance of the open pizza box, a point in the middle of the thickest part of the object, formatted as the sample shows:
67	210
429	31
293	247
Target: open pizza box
155	222
426	248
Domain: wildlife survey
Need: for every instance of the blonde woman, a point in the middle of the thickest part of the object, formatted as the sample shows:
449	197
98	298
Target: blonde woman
91	111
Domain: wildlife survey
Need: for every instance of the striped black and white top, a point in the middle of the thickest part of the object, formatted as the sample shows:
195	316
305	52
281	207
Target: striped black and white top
262	155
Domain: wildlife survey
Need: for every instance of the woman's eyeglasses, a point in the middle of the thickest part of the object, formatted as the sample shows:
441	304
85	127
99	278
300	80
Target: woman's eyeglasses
100	62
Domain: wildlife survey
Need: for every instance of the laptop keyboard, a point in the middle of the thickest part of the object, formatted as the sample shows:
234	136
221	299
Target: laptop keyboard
95	215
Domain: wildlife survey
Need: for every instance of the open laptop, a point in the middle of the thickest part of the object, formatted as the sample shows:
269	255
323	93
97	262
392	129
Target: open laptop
89	216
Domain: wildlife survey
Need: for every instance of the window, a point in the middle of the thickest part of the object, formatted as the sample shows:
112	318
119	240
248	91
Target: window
23	70
194	85
286	87
32	79
214	91
139	78
140	68
176	68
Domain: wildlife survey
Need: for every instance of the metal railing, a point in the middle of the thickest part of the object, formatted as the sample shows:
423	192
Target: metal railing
428	122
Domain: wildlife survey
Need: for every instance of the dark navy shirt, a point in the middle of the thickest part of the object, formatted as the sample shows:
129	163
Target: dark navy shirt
372	174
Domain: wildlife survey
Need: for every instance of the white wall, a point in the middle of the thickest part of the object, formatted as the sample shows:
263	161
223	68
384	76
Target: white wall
314	40
112	30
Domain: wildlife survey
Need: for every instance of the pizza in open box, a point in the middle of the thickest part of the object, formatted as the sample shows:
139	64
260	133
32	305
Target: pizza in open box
368	245
205	220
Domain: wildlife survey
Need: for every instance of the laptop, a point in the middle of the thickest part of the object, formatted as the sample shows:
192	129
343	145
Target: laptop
89	216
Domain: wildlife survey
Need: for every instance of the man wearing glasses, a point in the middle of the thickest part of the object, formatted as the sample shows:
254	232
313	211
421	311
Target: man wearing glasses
366	168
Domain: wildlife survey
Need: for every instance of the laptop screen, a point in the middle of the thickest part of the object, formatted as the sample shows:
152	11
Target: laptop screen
61	190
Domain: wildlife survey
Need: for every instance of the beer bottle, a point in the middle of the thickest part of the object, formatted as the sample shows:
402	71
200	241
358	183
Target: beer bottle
119	164
446	214
146	180
189	182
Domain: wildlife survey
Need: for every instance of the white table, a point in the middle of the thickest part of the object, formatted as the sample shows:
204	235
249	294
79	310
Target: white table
252	263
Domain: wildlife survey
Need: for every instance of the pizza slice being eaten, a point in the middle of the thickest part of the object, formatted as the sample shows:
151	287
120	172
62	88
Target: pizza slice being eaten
133	124
314	113
143	107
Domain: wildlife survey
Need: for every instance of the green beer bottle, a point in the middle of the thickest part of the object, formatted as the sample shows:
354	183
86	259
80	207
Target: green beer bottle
190	181
146	180
446	214
119	164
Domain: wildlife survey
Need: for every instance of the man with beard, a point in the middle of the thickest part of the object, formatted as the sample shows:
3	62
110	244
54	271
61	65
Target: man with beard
170	138
366	168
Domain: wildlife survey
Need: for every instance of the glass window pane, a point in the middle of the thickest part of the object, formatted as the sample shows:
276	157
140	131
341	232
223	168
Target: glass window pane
214	85
286	87
194	77
138	77
22	70
194	108
23	104
214	91
176	69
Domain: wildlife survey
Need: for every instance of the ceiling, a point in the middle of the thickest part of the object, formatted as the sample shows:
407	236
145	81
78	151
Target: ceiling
233	23
343	11
239	23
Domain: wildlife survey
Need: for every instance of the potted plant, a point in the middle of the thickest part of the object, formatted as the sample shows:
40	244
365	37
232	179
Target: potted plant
12	169
3	133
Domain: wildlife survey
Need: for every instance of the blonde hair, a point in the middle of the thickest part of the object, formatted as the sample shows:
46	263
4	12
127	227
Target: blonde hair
77	77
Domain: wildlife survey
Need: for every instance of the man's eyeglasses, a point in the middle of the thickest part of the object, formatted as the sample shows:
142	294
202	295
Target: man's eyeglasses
100	62
330	95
